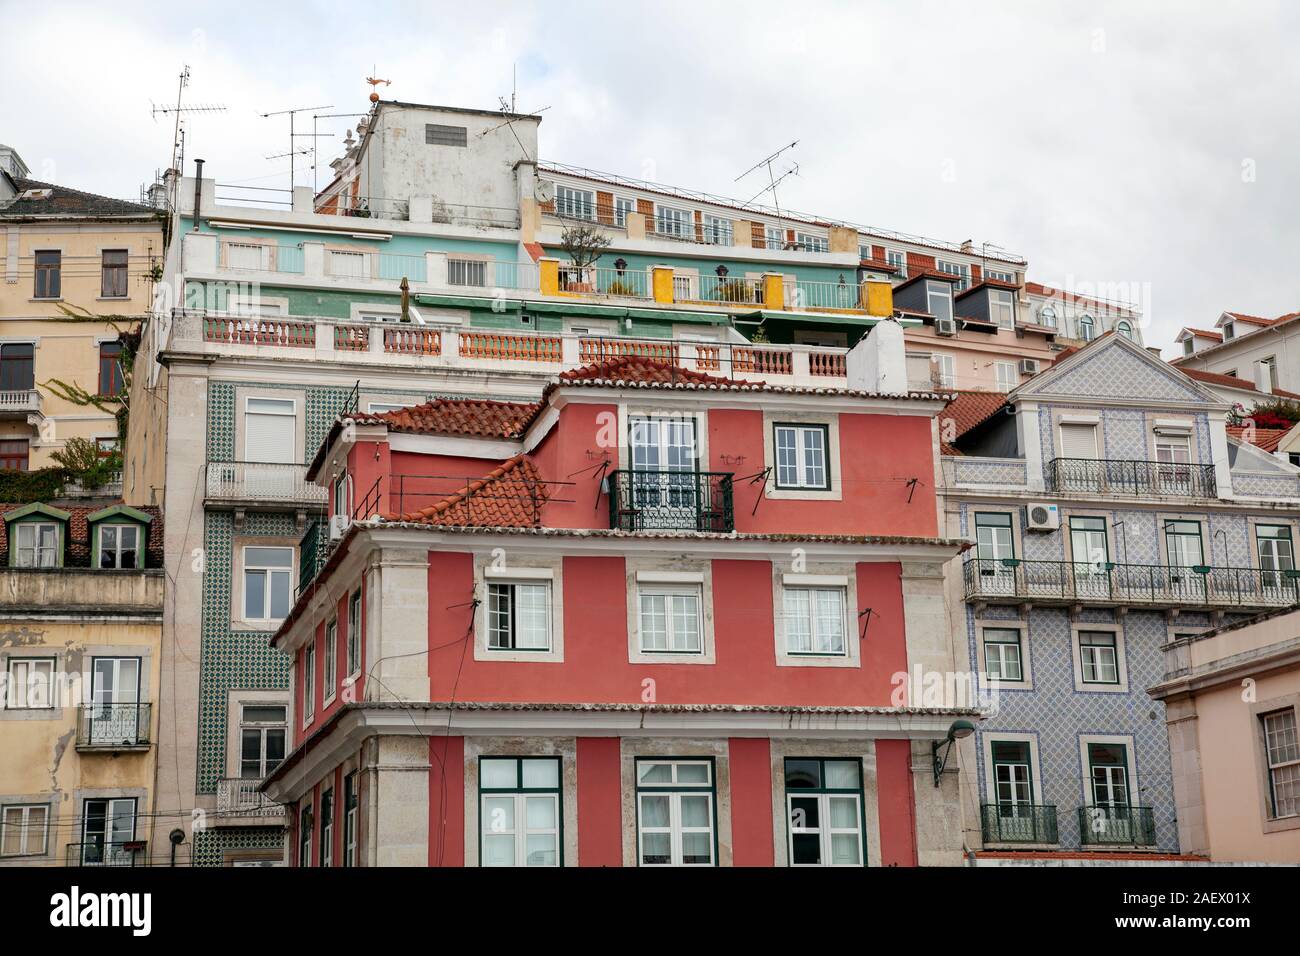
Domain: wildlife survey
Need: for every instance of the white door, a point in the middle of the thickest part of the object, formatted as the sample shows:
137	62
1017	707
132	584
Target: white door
115	698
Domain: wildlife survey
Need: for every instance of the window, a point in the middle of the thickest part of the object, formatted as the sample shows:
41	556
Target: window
673	222
814	621
107	447
824	809
438	135
621	208
681	288
38	544
1013	784
519	811
938	299
955	269
674	812
1183	544
662	444
1189	345
1268	373
1283	750
304	837
717	231
340	491
266	583
1173	450
1002	307
945	369
519	616
1125	329
350	820
327	828
107	826
573	203
31	683
354	634
1089	547
993	536
1086	327
1276	553
1008	375
1047	316
247	256
119	546
24	830
466	272
14	454
899	261
1108	775
348	265
48	272
801	456
1002	660
270	430
113	274
1228	331
17	367
811	243
329	683
1078	441
774	237
1098	657
670	619
110	368
308	683
263	732
999	276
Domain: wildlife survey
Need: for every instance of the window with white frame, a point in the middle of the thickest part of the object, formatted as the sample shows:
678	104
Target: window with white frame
674	812
1047	316
670	619
354	633
119	546
670	221
30	683
466	272
340	493
350	819
1228	331
1008	375
938	299
330	680
998	275
309	683
263	733
1002	654
622	207
304	837
801	456
814	621
898	260
1087	327
824	810
573	203
1099	657
348	265
267	573
24	829
270	430
774	237
1282	748
519	811
809	242
946	368
717	231
519	616
1125	329
1002	307
682	287
37	544
955	269
247	256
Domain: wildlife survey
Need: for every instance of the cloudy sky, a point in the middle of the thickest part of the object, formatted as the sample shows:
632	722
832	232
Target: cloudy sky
1148	148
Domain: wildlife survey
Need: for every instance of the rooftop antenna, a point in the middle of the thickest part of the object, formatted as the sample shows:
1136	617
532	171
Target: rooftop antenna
292	136
182	82
773	179
320	116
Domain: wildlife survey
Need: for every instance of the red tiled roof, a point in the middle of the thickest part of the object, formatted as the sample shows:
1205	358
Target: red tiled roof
1252	319
1205	333
1231	381
77	554
509	496
1037	288
633	368
478	418
1265	438
965	412
991	283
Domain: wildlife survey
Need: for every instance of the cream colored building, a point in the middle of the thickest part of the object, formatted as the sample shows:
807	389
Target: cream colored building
60	247
1232	699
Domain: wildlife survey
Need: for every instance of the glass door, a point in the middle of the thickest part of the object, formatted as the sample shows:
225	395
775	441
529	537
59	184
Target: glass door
1014	791
664	464
1090	555
1173	471
1186	551
115	700
107	825
1111	816
995	547
1276	557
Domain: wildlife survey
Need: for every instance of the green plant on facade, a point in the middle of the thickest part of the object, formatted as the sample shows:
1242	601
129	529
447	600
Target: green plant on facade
82	461
129	330
22	487
731	290
620	287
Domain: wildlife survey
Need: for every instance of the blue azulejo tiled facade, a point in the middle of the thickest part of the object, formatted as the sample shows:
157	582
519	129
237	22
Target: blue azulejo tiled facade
1137	520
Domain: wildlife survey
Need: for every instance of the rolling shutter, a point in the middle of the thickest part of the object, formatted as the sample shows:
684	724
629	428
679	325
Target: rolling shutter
1078	441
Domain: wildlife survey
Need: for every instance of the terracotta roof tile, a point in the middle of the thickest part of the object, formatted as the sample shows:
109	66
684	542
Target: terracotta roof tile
479	418
965	412
1265	438
509	496
63	201
633	368
1231	381
77	554
1205	333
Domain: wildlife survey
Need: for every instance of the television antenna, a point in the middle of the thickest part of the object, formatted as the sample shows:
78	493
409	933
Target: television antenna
773	179
320	116
180	110
293	136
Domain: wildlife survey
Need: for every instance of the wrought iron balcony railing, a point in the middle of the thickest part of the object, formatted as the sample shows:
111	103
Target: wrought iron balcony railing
671	501
1128	584
113	726
261	481
1018	823
104	853
242	797
1117	477
313	550
1117	826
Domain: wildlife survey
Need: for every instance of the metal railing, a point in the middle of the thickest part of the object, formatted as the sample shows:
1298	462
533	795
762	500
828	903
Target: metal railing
261	481
20	400
106	853
671	501
313	551
259	257
109	726
1018	823
1121	477
242	796
1117	826
599	280
810	294
738	291
1119	584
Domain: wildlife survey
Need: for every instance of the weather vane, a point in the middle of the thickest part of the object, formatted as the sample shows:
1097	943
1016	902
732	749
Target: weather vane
374	87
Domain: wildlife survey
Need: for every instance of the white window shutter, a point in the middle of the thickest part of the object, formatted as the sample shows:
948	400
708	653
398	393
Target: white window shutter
1079	441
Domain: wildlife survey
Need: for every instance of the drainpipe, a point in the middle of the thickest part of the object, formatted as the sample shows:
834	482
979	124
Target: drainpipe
198	190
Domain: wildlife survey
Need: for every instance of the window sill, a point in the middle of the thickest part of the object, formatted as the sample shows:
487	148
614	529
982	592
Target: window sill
670	657
112	298
786	659
1083	688
57	298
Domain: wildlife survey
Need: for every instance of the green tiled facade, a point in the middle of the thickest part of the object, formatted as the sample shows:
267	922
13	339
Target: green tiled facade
210	846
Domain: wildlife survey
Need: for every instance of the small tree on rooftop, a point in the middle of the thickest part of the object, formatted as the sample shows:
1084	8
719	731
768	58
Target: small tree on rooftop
584	245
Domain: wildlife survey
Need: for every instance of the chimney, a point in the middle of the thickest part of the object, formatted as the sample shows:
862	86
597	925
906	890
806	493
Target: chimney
878	363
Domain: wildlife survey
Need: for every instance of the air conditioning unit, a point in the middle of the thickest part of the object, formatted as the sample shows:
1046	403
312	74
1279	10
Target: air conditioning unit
339	525
1029	366
944	326
1044	517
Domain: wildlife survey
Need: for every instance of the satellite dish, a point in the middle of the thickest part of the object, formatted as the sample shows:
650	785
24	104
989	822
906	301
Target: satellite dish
544	191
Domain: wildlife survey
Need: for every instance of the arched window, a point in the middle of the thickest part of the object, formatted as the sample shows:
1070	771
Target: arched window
1085	327
1124	329
1047	316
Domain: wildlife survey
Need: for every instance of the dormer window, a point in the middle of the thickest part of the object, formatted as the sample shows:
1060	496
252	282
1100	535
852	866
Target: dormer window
1189	345
938	299
1002	307
1228	331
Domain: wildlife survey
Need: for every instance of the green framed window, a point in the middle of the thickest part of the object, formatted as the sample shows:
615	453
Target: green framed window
1013	778
801	453
119	546
1002	654
327	828
994	538
304	836
36	544
1099	657
1276	551
1089	543
676	812
1183	544
1108	775
329	683
823	797
350	819
520	821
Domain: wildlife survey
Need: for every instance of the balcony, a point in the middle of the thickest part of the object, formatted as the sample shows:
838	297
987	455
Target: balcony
1117	477
1018	823
1117	826
671	501
113	727
19	403
254	482
101	853
1112	585
313	551
241	798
